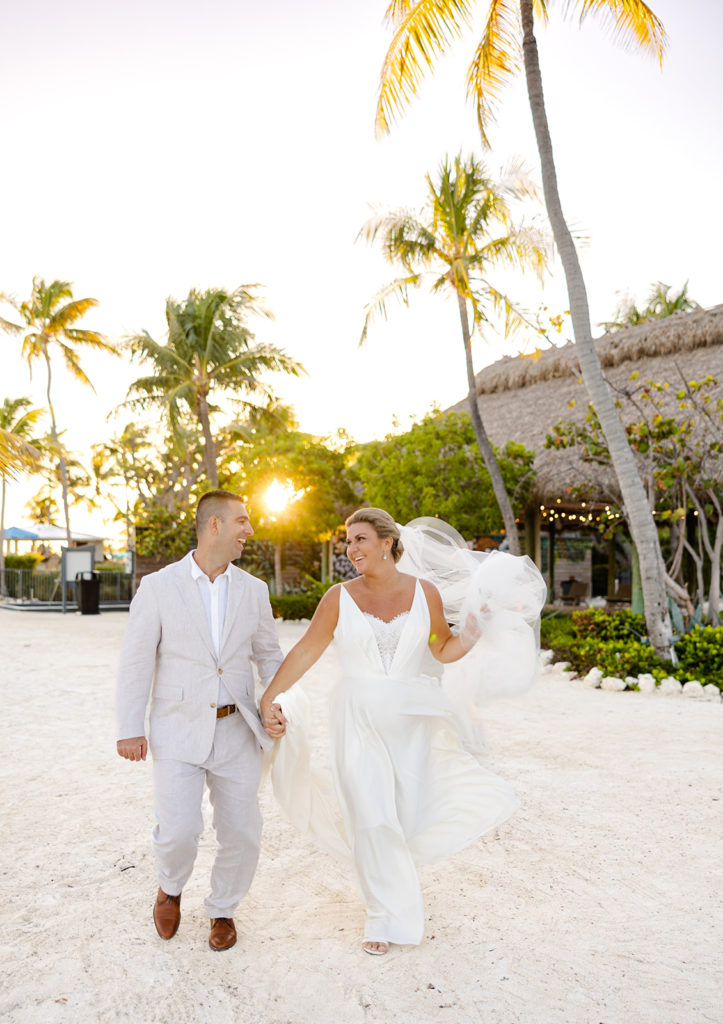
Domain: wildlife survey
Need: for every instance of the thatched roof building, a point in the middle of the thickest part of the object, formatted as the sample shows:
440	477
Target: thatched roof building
521	398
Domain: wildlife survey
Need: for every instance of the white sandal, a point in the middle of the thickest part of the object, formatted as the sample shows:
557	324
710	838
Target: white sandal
375	952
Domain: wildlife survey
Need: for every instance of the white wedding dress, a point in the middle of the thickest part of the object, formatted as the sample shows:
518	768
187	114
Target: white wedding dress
402	790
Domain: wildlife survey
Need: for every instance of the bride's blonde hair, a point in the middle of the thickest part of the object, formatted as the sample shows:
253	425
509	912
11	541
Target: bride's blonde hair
384	526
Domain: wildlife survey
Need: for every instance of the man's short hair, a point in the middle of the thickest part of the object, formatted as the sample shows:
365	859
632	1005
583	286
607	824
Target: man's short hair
212	504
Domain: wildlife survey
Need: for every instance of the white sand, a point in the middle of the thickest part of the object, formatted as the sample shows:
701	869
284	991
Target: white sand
596	904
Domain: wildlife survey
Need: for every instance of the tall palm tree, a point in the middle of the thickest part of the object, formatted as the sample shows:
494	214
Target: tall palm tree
464	232
209	349
424	30
17	420
48	321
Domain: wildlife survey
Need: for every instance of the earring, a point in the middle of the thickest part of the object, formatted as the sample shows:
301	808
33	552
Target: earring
384	558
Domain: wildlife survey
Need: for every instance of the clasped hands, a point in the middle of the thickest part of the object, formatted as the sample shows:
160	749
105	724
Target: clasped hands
273	718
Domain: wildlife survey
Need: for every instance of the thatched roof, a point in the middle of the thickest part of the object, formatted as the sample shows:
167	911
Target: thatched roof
520	398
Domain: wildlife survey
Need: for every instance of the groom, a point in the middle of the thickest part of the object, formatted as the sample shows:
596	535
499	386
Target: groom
194	629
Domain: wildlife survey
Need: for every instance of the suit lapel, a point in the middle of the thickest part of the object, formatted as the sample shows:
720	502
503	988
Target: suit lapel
188	589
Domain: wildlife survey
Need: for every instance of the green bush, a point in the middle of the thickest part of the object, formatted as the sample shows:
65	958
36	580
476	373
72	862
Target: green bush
556	631
23	561
294	606
602	625
700	654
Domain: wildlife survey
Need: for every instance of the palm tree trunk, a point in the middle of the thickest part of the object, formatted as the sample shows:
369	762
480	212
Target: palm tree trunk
483	442
209	449
278	577
61	458
3	588
637	509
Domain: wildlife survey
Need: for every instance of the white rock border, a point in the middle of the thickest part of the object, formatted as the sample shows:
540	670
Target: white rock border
644	683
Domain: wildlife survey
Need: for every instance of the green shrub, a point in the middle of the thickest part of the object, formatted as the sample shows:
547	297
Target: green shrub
294	606
700	654
603	625
23	561
557	630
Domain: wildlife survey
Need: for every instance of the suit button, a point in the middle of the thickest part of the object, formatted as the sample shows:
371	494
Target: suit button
220	671
213	705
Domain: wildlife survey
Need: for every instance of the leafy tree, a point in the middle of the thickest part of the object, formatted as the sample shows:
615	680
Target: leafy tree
662	302
435	469
423	31
679	453
48	320
73	481
317	482
17	423
209	350
464	233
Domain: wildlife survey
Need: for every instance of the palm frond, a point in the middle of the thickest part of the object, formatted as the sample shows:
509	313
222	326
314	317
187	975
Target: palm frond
631	21
398	289
497	57
424	32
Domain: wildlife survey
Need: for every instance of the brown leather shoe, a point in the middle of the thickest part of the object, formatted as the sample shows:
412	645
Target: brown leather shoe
167	914
223	933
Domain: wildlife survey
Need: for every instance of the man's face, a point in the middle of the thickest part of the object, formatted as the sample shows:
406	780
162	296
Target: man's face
233	530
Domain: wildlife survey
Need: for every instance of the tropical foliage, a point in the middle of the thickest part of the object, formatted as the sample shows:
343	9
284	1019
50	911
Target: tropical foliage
48	324
463	235
435	469
662	302
210	351
423	32
676	435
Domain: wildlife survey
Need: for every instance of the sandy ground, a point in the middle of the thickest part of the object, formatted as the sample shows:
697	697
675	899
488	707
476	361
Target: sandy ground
598	903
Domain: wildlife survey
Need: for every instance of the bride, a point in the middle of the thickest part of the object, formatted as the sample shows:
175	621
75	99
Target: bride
405	790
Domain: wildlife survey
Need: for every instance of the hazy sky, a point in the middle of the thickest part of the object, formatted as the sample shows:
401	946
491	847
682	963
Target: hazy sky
155	146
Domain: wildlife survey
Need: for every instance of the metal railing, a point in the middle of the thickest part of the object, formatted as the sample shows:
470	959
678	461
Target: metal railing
26	587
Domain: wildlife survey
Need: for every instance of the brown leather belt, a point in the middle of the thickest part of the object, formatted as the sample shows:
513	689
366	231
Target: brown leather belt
227	709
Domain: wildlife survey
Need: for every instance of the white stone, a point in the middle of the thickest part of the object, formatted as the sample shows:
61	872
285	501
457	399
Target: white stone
631	681
545	657
646	683
693	688
593	677
612	683
711	692
562	666
670	686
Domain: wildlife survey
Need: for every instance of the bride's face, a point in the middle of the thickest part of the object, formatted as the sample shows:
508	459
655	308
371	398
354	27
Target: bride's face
365	549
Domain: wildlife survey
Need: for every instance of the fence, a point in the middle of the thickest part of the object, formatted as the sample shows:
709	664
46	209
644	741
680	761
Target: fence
26	587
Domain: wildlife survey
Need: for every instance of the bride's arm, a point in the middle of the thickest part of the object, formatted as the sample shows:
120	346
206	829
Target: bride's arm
305	653
443	643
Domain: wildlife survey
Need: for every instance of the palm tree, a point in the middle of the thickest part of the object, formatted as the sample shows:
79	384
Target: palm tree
48	319
209	348
464	231
17	420
662	302
424	30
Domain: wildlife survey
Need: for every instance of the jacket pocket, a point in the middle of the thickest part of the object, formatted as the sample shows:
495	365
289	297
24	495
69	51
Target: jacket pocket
165	692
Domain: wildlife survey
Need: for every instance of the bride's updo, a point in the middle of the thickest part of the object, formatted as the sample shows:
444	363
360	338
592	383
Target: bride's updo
384	526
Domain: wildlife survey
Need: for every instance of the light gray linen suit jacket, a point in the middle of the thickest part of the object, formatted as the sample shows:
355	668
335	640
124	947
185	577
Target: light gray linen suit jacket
168	655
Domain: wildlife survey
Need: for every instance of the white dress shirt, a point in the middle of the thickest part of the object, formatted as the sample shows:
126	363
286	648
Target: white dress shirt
215	598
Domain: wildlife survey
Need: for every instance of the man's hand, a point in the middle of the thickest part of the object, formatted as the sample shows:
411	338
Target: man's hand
134	749
273	718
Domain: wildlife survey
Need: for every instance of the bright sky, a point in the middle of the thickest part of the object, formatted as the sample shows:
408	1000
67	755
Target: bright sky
158	145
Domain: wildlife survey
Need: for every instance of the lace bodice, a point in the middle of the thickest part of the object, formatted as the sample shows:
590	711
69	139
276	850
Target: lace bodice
387	635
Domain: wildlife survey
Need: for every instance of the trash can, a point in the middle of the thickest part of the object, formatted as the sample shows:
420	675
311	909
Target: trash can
88	588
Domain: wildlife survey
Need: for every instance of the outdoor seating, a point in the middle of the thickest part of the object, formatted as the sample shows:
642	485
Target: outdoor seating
575	592
623	595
